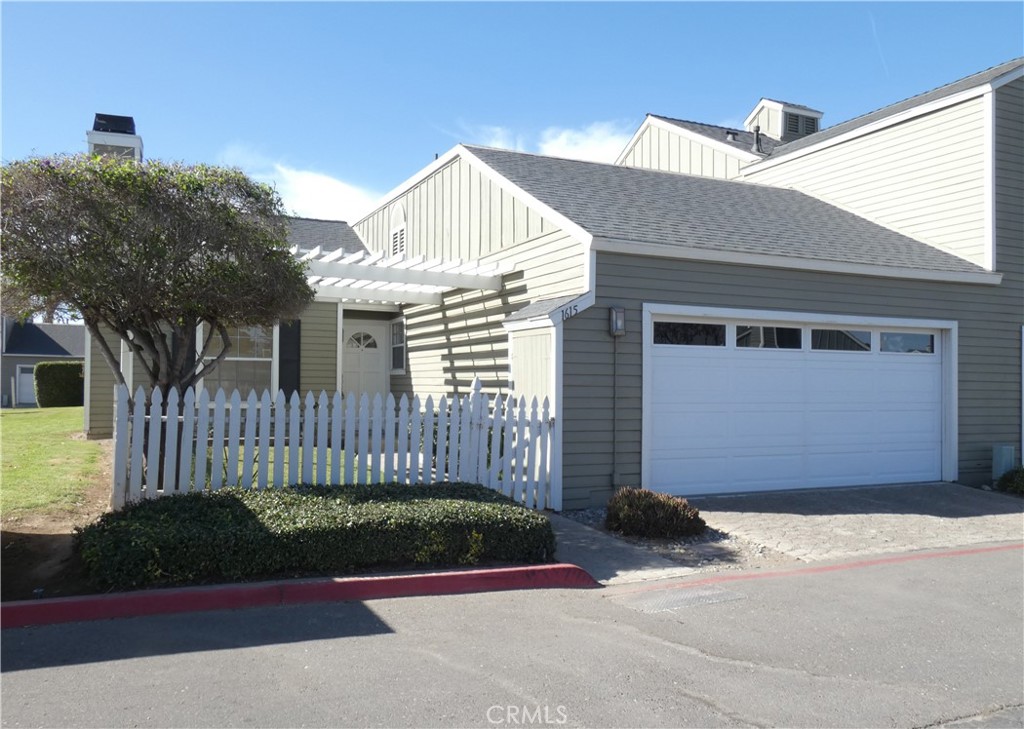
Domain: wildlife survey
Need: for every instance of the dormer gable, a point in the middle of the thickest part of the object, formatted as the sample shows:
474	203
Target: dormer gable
782	120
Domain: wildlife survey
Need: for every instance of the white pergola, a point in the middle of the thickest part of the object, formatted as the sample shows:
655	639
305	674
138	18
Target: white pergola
375	278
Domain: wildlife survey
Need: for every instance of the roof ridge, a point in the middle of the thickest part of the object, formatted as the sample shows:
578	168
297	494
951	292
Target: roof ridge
1011	64
315	220
703	124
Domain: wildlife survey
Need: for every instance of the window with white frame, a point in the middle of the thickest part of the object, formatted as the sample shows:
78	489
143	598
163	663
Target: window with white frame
398	345
248	365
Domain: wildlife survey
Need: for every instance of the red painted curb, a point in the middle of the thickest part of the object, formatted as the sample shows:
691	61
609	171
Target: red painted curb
25	613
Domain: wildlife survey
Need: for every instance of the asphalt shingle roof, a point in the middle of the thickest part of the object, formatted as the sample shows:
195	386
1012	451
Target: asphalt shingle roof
671	209
540	308
330	235
46	340
744	140
977	79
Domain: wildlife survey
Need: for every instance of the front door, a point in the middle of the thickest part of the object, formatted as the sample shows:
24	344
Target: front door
365	358
26	385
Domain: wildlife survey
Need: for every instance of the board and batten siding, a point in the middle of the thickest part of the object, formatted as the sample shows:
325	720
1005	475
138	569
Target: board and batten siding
456	212
450	344
101	386
666	151
531	363
924	177
318	348
602	427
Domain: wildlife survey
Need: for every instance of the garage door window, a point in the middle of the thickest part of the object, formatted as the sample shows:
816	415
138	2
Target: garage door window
908	342
689	333
752	336
840	340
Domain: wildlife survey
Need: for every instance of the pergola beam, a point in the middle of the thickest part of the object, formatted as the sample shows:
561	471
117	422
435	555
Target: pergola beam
412	275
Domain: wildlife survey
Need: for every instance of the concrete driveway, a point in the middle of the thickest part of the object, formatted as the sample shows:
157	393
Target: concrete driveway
833	524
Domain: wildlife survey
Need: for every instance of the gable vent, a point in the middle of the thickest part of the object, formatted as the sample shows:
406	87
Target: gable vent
398	241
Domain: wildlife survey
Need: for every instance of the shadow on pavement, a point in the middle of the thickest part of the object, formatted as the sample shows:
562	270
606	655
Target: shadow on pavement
947	500
114	640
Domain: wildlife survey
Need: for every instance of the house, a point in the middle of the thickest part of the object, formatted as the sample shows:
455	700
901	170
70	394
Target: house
779	306
26	344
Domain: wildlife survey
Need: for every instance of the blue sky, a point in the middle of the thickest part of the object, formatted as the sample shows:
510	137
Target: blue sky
336	103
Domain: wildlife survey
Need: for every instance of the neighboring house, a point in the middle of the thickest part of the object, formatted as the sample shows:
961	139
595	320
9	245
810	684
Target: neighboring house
26	344
804	307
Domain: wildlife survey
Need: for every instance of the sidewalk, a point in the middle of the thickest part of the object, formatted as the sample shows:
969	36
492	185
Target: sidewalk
608	560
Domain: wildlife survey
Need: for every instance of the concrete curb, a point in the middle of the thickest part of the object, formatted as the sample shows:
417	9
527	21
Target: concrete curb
26	613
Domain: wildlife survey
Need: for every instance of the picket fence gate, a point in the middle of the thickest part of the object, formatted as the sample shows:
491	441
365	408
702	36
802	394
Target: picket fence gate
263	442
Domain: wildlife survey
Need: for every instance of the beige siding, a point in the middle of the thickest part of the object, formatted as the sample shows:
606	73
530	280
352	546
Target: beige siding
923	177
318	348
101	388
596	443
531	363
448	345
666	151
456	212
770	121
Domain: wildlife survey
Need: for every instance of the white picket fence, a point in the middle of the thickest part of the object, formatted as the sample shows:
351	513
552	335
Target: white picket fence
505	444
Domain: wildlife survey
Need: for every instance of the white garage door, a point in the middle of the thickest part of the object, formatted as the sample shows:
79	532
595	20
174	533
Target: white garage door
750	406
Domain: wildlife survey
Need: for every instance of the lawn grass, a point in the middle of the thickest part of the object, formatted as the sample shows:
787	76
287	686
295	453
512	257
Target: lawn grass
45	460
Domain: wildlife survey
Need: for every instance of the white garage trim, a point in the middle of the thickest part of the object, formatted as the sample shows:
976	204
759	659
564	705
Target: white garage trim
946	346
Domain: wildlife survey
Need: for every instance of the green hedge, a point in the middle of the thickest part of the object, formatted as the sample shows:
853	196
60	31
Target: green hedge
59	384
1012	481
242	534
644	513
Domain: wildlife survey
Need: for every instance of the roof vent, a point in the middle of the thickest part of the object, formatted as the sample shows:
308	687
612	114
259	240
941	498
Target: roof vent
756	147
113	123
730	136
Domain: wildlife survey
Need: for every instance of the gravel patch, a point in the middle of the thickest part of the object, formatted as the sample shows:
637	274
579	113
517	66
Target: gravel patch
711	551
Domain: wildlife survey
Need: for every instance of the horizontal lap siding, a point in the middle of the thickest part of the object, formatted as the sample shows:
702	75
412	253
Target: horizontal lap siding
463	338
1009	224
923	177
456	212
318	348
596	443
101	387
667	151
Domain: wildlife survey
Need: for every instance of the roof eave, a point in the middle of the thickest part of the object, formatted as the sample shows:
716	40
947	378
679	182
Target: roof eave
660	250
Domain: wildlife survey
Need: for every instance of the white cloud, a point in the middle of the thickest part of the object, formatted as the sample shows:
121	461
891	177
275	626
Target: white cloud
599	142
305	193
492	136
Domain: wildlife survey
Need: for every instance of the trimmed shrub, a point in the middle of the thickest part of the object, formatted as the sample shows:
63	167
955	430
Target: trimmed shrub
1012	481
644	513
244	534
59	384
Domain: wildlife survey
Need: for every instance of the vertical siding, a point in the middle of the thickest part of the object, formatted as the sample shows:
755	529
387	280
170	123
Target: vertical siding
923	177
531	363
101	388
318	348
464	337
457	212
666	151
989	353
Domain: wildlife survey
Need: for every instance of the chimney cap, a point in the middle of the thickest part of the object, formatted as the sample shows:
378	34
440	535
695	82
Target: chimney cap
113	123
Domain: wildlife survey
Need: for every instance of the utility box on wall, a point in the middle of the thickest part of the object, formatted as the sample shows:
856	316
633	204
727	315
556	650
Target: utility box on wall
1003	459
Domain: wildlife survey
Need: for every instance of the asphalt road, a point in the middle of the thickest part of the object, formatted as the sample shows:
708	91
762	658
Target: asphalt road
918	642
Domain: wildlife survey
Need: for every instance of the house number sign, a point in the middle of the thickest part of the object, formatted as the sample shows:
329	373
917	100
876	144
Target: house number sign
570	311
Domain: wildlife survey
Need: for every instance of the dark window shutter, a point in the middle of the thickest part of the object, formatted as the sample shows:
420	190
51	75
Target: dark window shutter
288	359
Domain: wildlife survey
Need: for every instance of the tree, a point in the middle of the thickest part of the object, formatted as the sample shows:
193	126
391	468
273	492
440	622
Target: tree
22	305
151	250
